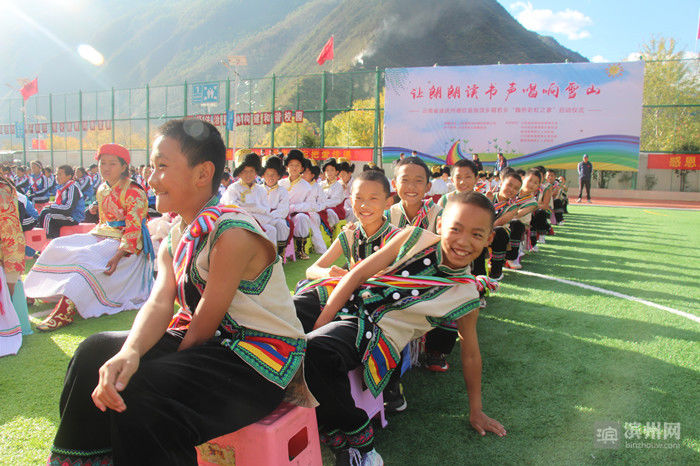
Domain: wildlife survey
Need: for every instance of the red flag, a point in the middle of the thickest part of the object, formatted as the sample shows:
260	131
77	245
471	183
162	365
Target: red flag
32	87
326	53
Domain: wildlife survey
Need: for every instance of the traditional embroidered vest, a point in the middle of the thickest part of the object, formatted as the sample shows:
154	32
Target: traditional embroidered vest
426	218
261	325
403	302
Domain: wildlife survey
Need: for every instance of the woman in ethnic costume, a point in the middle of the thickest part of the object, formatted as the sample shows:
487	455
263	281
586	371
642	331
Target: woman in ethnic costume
109	269
228	358
11	266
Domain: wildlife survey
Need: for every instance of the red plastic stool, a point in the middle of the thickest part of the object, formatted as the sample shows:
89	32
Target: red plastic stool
74	229
287	436
36	239
363	397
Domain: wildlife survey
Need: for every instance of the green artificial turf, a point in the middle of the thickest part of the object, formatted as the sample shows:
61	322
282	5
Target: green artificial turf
557	359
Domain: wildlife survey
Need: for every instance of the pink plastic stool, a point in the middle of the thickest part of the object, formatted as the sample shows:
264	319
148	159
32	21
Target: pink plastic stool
79	228
287	436
36	239
363	397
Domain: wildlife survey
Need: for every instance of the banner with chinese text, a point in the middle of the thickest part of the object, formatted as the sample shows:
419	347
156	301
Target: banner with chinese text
674	161
541	114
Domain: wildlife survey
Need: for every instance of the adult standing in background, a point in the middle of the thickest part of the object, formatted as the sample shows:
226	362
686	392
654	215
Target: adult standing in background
501	163
585	171
477	162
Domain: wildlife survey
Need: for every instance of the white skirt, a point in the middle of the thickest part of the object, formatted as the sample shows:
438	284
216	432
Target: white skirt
10	329
73	266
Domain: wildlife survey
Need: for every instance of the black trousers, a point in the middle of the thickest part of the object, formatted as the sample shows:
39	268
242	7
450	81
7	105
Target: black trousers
540	222
175	401
584	183
330	354
440	340
479	264
559	210
516	235
52	222
498	251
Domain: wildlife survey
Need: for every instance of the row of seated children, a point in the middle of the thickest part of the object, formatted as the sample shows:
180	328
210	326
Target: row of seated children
288	199
150	395
49	200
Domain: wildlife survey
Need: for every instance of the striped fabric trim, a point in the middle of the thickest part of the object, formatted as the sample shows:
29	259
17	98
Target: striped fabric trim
89	278
10	332
381	360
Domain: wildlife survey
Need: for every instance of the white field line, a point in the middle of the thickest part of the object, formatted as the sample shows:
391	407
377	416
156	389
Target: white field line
687	315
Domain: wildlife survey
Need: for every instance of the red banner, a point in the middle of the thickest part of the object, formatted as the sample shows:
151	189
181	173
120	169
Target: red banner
354	155
674	161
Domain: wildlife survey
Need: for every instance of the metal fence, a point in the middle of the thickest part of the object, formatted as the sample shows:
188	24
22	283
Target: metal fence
272	112
314	110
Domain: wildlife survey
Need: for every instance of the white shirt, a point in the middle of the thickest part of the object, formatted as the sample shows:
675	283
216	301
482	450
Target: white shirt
299	192
278	199
253	199
334	194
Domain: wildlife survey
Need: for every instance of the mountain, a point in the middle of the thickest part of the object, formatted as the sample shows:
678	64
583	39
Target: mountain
170	41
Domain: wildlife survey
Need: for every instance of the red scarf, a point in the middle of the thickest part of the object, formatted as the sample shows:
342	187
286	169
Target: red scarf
59	193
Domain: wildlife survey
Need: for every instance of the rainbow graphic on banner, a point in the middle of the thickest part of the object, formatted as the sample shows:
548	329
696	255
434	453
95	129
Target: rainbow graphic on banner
607	152
454	154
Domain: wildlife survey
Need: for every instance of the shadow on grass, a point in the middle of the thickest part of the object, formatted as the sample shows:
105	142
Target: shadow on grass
548	388
31	381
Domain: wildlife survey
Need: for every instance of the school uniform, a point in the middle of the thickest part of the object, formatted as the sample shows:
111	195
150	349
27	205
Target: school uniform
179	399
374	326
68	209
38	188
96	181
253	199
426	217
85	186
51	183
22	184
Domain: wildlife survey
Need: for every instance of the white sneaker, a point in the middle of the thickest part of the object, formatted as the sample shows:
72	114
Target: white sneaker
541	239
535	248
372	458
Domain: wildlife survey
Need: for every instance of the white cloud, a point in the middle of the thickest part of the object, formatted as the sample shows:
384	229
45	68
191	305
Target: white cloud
599	59
571	23
634	56
691	54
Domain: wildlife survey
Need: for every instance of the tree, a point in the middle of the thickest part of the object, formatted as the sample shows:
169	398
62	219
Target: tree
304	134
670	82
354	127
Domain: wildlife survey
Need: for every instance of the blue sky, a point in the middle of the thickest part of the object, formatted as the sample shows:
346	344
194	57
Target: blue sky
609	30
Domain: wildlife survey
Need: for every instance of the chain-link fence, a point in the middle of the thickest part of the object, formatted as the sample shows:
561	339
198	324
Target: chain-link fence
312	111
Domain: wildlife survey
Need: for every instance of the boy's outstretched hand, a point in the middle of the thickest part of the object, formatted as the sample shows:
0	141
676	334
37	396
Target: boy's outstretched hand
482	423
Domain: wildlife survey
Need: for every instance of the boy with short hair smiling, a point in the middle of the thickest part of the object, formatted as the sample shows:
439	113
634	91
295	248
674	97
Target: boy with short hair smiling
230	355
412	183
506	209
417	281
